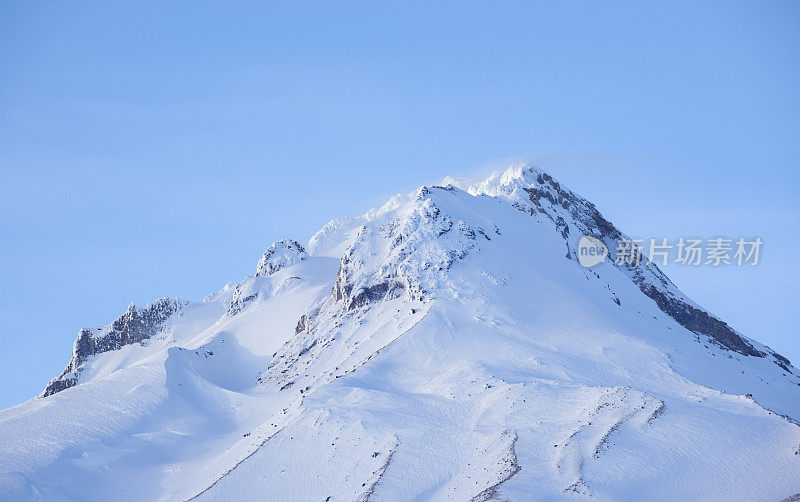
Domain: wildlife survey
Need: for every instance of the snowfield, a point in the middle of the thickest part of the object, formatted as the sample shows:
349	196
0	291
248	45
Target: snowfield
447	346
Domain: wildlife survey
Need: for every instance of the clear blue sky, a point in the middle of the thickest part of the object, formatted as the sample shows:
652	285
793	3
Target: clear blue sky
153	149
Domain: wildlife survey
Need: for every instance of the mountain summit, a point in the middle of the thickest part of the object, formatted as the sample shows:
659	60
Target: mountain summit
446	346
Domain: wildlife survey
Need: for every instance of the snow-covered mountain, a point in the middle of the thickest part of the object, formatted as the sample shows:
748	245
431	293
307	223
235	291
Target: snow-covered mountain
446	346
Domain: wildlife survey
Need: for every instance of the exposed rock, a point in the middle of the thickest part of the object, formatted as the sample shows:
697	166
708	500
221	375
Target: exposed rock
375	293
134	326
279	255
301	324
415	248
536	192
700	321
240	300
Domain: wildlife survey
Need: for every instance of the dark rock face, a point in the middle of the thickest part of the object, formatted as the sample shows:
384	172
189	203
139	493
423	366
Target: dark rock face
700	321
782	362
386	290
135	326
343	290
547	197
62	383
301	324
240	301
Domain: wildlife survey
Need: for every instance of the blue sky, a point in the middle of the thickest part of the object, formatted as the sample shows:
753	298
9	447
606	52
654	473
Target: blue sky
154	149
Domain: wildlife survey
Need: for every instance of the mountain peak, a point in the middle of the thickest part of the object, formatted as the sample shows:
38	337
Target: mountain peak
280	254
447	336
516	175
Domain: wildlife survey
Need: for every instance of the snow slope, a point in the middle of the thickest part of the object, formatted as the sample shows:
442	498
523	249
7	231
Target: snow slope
446	346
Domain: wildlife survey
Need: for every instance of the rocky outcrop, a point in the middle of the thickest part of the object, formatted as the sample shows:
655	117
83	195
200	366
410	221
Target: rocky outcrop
240	300
404	254
279	255
302	324
134	326
384	290
700	322
537	193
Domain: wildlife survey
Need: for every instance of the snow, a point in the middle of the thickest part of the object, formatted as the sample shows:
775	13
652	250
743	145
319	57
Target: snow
279	255
441	347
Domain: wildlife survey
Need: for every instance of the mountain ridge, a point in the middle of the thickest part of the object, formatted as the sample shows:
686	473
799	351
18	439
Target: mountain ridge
527	189
448	337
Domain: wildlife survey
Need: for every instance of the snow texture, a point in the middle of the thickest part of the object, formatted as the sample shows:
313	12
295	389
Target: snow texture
446	346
